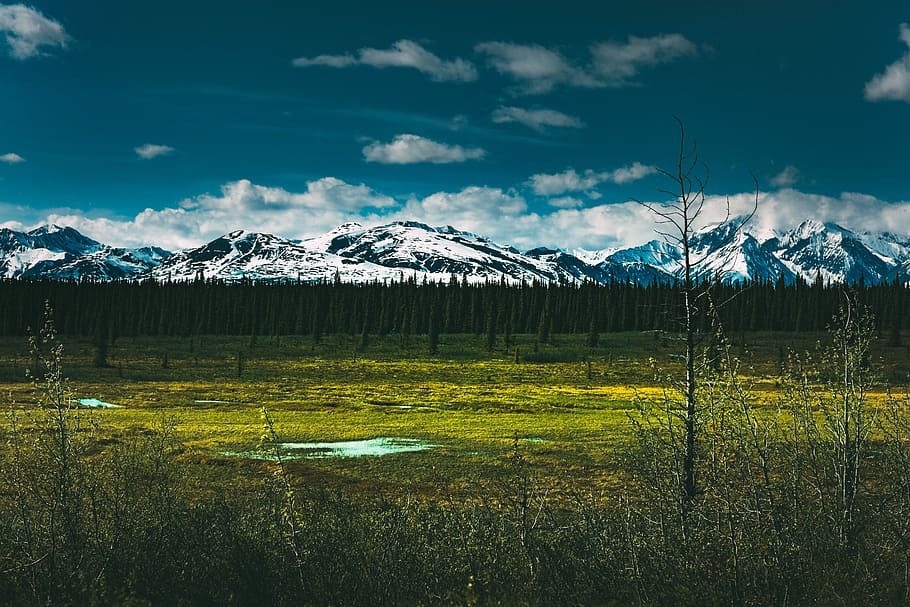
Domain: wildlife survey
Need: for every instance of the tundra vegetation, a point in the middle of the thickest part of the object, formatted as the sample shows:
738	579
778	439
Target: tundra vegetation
557	475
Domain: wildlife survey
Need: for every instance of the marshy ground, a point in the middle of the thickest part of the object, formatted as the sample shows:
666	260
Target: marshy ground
567	406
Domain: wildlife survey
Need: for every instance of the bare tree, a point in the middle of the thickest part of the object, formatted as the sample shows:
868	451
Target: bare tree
678	221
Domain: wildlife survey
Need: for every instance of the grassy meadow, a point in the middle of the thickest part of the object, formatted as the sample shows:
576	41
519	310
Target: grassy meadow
565	405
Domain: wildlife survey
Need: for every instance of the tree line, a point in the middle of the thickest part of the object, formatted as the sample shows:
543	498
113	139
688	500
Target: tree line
213	307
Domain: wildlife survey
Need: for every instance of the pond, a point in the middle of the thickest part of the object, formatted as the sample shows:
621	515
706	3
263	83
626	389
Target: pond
382	445
94	403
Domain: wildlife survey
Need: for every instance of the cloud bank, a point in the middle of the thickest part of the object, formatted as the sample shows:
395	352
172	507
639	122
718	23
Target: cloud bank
564	220
28	31
240	204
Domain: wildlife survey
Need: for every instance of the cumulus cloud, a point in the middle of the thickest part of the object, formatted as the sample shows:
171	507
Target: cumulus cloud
148	151
326	203
894	82
412	149
28	31
537	119
538	69
404	53
12	158
554	184
503	215
787	208
630	223
786	178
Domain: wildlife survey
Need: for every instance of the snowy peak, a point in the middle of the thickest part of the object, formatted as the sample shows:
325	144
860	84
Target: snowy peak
442	251
65	254
414	250
242	255
67	240
836	254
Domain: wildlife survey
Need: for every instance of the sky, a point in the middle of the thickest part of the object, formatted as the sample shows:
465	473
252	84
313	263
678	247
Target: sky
539	124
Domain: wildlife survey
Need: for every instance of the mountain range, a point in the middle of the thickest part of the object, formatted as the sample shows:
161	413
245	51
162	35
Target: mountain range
409	249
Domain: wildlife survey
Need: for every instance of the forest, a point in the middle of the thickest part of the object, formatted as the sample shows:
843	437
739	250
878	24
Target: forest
215	307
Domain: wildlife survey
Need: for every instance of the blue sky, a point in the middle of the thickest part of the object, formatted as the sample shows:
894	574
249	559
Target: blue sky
173	122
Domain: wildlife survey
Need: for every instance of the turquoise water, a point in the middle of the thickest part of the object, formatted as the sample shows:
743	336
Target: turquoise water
94	403
359	448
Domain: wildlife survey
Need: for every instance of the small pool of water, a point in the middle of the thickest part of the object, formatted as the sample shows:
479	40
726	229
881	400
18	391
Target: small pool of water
357	448
94	403
383	445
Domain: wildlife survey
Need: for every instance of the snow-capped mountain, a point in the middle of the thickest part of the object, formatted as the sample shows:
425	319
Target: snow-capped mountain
254	256
443	251
837	254
405	250
728	252
65	254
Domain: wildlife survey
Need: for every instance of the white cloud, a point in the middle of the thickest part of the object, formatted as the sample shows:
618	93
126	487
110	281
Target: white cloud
458	122
786	178
787	208
554	184
326	203
503	215
404	53
411	149
12	158
537	119
538	69
633	172
894	82
618	64
337	61
27	31
148	151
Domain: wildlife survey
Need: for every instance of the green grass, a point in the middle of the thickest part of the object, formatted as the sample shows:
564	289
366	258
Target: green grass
575	407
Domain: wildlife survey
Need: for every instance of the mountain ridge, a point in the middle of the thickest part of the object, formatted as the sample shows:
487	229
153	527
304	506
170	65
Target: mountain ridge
403	250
